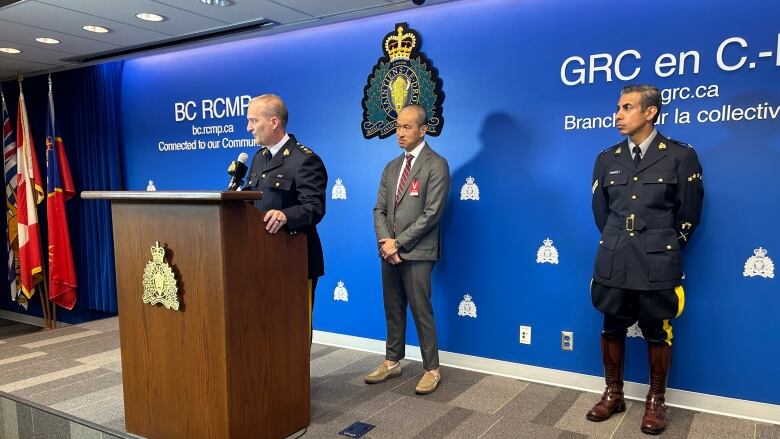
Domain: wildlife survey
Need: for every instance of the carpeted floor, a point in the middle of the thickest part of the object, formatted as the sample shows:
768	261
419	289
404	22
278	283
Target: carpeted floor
77	370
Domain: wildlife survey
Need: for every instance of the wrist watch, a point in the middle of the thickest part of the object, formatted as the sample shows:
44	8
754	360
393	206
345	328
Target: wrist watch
397	244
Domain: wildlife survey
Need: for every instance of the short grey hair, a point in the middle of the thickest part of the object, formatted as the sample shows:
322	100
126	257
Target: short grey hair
273	106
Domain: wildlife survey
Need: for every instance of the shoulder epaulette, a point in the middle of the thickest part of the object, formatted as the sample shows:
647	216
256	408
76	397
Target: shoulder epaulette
610	148
687	145
305	149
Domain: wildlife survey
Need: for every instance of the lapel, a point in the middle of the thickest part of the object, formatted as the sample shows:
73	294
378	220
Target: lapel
625	156
278	159
653	154
418	164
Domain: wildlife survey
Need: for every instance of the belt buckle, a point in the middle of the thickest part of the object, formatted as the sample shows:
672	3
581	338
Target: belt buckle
630	222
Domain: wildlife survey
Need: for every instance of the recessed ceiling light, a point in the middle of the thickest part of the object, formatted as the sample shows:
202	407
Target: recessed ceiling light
9	50
96	29
217	2
147	16
46	40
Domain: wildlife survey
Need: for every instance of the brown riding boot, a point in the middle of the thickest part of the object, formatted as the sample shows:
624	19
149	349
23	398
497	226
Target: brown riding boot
612	353
660	357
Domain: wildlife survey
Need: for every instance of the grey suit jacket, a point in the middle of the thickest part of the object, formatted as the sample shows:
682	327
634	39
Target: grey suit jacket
414	222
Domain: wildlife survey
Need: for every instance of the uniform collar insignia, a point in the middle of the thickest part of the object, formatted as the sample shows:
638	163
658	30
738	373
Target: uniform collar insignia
618	151
286	152
662	146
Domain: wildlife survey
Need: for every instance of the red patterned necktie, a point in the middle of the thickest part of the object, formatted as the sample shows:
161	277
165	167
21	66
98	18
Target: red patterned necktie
404	176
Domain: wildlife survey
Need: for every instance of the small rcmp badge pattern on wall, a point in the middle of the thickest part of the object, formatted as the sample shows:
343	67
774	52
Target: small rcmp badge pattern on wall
467	307
759	265
547	253
339	192
402	77
340	293
469	190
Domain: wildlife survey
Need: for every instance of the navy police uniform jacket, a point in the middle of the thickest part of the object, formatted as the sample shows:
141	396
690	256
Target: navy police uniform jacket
646	214
293	181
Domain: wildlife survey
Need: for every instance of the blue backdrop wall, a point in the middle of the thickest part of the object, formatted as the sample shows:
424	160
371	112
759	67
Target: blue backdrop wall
520	119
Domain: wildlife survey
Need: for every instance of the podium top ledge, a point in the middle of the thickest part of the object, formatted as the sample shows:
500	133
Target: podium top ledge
213	196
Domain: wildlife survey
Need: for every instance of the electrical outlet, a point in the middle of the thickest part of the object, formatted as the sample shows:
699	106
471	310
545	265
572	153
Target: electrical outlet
567	340
525	335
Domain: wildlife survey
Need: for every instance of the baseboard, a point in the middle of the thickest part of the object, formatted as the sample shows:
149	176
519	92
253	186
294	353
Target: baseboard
26	318
755	411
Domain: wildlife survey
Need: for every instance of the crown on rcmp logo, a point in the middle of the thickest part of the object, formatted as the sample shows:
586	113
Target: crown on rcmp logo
158	253
340	284
470	180
400	45
338	181
760	252
467	297
548	242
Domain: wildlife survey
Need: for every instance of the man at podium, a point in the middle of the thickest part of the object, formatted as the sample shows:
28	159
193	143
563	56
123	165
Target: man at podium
291	177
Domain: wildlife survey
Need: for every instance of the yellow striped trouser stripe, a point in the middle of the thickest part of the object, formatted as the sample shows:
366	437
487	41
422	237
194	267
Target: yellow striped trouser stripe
680	299
668	330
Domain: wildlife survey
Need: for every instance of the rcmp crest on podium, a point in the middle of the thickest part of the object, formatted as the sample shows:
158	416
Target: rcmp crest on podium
403	76
339	192
159	282
467	307
340	292
547	253
759	265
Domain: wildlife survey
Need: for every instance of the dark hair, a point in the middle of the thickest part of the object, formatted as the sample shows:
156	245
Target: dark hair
651	96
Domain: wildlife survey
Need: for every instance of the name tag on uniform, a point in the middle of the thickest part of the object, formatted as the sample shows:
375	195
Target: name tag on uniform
414	188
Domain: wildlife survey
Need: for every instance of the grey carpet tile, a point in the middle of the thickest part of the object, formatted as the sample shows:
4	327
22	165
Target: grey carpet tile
16	330
706	425
552	413
453	383
473	426
104	325
406	418
574	418
677	427
527	404
45	335
57	395
334	360
332	399
517	429
446	424
78	402
20	358
27	391
101	412
35	367
86	346
320	350
767	431
489	394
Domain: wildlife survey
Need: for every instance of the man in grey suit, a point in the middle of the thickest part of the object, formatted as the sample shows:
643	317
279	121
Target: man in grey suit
409	204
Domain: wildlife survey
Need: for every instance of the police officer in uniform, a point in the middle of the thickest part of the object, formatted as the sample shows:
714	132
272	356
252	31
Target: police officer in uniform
647	199
291	177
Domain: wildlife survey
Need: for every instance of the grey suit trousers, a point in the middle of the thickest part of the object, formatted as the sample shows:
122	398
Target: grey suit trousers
409	283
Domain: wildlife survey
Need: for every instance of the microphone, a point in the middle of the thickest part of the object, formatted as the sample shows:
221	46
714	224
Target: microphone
237	171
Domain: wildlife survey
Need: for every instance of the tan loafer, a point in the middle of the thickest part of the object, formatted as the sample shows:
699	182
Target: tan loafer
383	373
428	383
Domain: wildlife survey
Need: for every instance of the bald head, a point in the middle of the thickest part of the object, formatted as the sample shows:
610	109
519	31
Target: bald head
420	115
411	126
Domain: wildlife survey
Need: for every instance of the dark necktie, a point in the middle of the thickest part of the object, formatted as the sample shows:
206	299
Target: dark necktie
404	176
637	155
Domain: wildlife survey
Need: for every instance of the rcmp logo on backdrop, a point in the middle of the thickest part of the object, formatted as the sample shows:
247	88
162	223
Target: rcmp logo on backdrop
547	253
340	292
402	77
467	307
339	192
759	265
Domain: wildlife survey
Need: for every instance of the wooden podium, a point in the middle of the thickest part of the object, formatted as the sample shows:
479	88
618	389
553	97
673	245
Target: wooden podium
233	361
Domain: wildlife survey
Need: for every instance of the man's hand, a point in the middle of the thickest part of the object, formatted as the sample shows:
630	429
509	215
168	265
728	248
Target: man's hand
387	247
274	220
393	259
